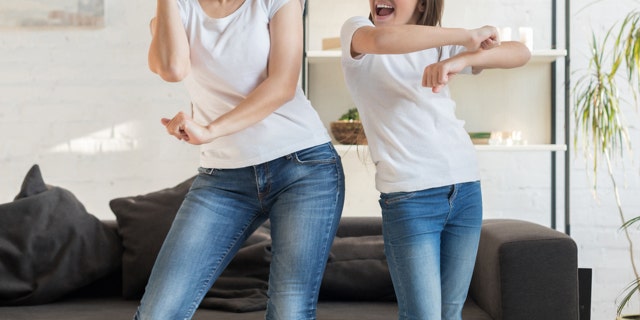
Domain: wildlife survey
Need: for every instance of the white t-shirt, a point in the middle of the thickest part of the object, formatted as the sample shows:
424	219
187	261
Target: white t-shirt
228	60
415	139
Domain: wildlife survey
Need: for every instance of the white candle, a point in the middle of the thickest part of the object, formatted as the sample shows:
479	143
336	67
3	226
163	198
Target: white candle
505	34
526	36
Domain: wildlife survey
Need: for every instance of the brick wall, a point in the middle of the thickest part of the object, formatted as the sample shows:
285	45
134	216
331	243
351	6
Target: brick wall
83	105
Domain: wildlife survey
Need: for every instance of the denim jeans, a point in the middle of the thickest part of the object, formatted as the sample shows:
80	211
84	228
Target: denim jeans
431	240
302	194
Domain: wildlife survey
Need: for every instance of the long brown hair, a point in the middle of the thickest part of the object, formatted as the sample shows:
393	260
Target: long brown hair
433	11
432	16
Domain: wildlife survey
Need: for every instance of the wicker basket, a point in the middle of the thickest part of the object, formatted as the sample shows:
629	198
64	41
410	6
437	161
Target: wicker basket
348	132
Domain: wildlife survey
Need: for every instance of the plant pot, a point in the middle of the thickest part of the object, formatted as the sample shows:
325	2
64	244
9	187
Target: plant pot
348	132
629	317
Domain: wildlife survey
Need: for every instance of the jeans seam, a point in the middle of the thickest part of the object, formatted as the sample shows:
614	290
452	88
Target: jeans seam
207	283
326	239
400	300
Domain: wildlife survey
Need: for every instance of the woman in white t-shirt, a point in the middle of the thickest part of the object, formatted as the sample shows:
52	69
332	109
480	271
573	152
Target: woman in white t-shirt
264	154
425	162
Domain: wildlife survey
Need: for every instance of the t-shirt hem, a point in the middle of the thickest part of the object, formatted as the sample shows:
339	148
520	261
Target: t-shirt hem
235	164
404	187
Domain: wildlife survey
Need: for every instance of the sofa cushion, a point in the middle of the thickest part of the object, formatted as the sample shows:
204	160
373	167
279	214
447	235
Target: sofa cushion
357	270
50	245
143	223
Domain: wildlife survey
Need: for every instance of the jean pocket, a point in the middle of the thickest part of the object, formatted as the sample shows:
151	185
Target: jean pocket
395	197
322	154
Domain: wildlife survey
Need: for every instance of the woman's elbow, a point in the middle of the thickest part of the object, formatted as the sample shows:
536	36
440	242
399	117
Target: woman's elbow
525	57
528	56
287	86
523	54
171	73
287	94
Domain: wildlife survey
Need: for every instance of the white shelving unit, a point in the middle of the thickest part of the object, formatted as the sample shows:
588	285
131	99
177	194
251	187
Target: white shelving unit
538	56
519	148
493	109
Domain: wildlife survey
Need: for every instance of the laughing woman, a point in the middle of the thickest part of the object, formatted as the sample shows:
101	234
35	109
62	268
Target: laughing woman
397	65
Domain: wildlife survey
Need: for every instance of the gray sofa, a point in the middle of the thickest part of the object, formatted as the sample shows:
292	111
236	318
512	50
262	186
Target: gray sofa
57	261
523	271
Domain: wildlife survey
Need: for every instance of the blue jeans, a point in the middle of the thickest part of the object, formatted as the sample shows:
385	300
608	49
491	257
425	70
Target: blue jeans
431	240
302	194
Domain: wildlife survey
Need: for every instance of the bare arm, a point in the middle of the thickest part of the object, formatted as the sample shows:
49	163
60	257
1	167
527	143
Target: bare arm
510	54
279	87
169	49
411	38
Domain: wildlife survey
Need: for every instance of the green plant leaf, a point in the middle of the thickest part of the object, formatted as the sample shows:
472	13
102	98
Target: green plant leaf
628	292
351	114
630	222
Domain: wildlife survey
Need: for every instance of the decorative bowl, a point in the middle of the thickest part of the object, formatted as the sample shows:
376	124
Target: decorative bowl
348	132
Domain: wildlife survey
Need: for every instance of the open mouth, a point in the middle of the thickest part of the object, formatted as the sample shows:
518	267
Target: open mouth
383	10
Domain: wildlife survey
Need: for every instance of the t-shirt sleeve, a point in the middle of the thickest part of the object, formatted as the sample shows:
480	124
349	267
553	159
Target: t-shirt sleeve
346	34
183	7
274	5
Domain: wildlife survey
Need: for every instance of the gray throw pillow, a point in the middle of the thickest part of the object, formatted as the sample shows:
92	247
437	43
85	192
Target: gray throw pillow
143	223
357	270
50	245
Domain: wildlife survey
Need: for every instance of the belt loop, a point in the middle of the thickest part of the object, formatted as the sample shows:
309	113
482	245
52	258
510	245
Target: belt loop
207	171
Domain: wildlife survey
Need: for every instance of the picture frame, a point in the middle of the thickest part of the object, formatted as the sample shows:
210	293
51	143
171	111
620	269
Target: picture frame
38	14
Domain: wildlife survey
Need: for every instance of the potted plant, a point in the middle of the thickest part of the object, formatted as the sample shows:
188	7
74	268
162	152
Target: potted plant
348	129
598	117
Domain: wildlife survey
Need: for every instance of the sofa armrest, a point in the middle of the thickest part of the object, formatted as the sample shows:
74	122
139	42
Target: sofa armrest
525	271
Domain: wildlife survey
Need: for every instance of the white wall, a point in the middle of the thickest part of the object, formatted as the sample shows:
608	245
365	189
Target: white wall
83	105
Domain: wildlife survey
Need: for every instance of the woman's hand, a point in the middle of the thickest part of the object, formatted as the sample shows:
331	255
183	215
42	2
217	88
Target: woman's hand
484	38
185	128
437	75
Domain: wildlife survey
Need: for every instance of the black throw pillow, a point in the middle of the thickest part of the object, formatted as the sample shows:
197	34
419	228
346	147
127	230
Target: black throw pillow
143	223
357	270
50	245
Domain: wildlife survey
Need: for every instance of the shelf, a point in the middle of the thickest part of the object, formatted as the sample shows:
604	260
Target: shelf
479	147
323	55
537	56
530	147
547	56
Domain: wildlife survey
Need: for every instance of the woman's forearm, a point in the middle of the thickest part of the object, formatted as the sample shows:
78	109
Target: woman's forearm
401	39
169	49
282	81
510	54
404	38
270	95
